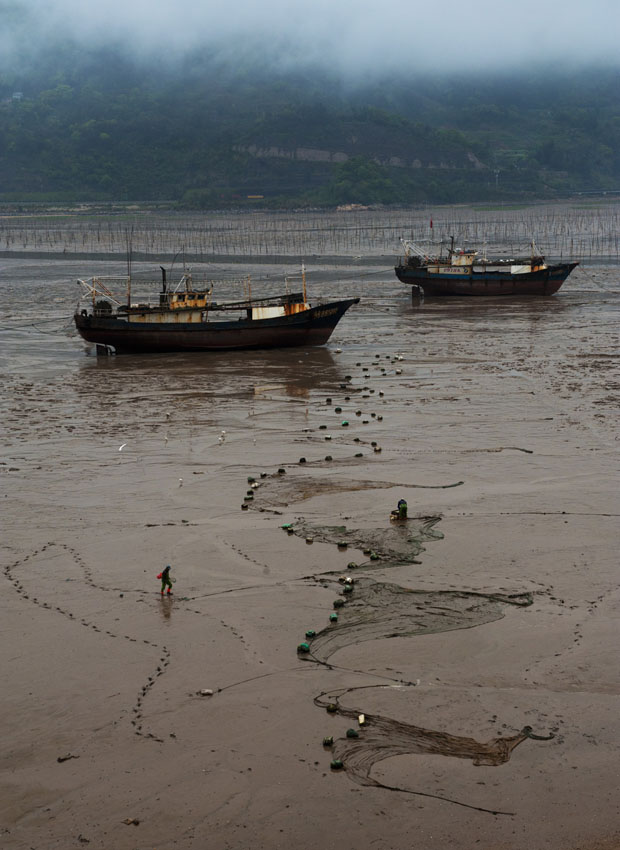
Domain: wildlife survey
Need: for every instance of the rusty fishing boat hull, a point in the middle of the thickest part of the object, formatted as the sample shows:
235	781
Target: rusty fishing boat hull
440	280
307	327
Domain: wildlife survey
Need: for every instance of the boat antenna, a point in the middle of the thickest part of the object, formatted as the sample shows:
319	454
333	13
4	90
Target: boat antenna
303	280
174	259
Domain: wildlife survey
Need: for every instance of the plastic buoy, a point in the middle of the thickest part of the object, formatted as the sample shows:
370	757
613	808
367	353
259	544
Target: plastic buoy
347	377
348	588
328	436
302	459
361	719
374	556
249	498
281	470
331	707
344	423
244	507
263	475
249	492
328	401
322	427
337	410
356	439
333	618
286	526
359	454
251	480
310	634
374	443
328	741
352	733
309	539
342	544
351	566
358	412
303	647
328	457
338	603
379	418
336	764
377	449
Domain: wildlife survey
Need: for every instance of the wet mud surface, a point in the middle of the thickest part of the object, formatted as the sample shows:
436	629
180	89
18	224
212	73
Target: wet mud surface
468	637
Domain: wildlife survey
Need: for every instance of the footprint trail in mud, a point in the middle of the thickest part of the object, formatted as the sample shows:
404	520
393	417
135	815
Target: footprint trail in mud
162	662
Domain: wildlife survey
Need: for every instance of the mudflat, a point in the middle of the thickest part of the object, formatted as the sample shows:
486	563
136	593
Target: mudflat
478	638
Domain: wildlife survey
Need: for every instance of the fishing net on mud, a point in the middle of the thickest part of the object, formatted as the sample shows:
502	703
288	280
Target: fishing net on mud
393	544
280	490
381	738
376	610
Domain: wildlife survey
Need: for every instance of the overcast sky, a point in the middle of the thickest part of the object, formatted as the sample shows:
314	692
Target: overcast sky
352	35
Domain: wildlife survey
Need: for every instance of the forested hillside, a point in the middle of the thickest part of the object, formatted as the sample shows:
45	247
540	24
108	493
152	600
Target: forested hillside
98	126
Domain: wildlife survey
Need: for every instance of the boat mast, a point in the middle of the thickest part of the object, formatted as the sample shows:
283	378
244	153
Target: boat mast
129	235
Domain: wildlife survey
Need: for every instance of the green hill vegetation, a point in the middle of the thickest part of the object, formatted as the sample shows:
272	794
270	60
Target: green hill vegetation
97	126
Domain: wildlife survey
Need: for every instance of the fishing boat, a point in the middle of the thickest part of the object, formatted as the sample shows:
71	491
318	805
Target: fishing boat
472	273
187	318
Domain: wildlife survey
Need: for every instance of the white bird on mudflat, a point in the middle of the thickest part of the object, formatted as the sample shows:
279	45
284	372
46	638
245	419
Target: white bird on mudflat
180	482
120	448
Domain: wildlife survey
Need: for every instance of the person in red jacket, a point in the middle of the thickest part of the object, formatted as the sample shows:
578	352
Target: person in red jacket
165	580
